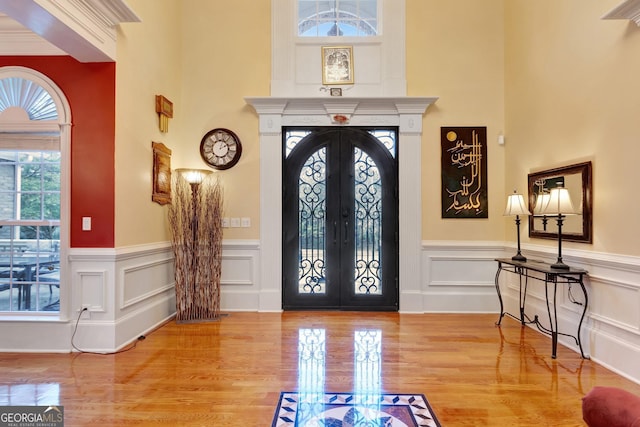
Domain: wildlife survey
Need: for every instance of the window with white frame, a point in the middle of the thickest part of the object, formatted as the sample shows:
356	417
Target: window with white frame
30	192
349	18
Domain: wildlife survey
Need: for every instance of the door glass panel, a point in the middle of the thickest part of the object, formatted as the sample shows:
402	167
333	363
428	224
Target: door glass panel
387	137
368	225
312	218
292	138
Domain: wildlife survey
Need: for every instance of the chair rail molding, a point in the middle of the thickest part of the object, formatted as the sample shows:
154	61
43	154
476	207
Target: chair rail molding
628	9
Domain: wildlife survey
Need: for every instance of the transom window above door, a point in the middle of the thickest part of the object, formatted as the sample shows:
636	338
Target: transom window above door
349	18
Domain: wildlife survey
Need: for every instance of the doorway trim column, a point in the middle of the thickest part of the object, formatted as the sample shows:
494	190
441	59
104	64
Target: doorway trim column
404	112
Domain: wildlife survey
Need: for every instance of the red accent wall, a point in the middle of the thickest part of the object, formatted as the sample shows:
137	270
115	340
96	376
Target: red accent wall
90	90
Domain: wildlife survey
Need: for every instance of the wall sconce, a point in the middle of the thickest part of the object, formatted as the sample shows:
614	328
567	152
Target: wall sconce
516	206
559	204
164	108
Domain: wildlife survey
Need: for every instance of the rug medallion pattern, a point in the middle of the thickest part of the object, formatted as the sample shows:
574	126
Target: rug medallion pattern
353	410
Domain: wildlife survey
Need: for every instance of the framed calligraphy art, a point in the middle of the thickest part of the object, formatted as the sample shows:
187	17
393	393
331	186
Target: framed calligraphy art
464	172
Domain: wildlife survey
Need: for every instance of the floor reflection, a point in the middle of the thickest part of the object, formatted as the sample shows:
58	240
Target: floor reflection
367	407
532	365
29	394
312	359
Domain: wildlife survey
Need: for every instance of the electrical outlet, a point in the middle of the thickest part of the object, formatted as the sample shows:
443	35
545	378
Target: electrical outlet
235	222
85	312
245	222
225	223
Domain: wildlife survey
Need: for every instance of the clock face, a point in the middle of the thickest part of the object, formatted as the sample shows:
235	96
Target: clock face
220	148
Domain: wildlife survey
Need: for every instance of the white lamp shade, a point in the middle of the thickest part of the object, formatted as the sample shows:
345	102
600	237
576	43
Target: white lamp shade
516	206
559	203
542	200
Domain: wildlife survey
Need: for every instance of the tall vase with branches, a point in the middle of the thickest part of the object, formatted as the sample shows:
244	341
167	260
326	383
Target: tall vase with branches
195	220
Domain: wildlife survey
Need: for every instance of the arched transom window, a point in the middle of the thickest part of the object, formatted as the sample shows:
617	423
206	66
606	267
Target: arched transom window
321	18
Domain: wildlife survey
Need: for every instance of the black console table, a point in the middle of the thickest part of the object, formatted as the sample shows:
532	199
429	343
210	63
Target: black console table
551	277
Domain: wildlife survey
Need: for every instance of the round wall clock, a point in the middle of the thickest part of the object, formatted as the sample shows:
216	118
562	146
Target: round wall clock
220	148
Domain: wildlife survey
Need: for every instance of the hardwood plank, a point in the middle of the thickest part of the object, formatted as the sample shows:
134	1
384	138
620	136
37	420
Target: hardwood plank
231	372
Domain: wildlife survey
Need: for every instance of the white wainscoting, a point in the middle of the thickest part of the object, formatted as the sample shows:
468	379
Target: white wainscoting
130	291
127	292
240	284
459	277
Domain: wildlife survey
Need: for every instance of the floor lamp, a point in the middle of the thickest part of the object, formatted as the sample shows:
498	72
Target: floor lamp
195	219
516	206
559	205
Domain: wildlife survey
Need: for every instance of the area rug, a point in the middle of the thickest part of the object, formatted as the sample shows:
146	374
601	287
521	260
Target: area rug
353	410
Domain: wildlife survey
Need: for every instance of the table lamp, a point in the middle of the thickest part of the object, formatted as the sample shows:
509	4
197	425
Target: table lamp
559	204
542	200
516	206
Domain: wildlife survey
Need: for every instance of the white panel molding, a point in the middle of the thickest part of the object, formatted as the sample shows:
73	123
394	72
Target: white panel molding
464	284
244	270
618	355
459	277
167	263
240	283
93	290
628	9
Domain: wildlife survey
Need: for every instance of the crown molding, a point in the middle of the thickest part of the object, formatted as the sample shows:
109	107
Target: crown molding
84	29
340	105
628	9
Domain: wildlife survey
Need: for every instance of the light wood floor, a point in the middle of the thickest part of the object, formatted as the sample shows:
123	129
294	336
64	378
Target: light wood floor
231	373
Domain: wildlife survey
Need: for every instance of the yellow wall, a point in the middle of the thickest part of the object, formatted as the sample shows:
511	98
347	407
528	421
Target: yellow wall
205	57
455	50
572	95
149	56
226	57
558	81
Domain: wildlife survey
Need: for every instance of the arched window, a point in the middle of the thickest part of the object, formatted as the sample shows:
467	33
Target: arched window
31	170
320	18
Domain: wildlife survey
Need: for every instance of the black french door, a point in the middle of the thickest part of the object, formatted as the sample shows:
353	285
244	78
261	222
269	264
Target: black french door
340	218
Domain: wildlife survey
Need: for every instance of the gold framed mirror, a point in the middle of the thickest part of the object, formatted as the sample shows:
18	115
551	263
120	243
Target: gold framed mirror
577	179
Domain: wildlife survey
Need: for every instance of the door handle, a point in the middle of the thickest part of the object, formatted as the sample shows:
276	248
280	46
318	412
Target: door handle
346	231
335	232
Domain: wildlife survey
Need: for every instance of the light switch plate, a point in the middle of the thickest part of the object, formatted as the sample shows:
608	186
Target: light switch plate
86	223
